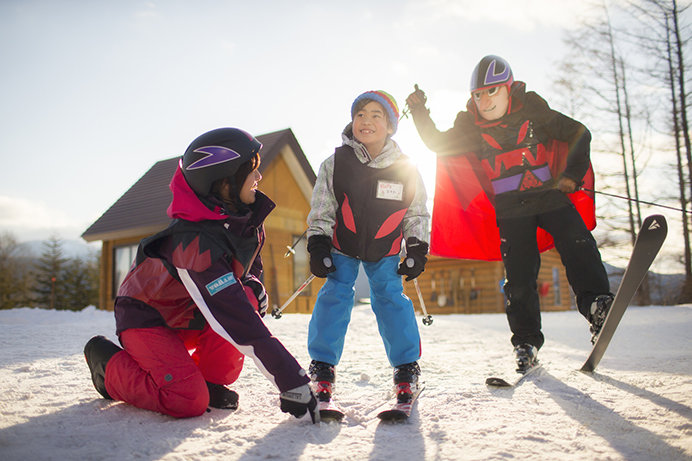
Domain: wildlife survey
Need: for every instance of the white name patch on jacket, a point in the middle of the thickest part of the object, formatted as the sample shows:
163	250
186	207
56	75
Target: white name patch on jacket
219	284
388	190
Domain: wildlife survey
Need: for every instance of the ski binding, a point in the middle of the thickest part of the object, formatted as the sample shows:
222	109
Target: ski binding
401	411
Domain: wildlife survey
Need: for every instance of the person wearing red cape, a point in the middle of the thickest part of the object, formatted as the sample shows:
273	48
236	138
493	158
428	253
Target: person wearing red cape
508	182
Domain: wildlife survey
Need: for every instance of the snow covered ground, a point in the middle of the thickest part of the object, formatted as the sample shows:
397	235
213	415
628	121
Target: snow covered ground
637	406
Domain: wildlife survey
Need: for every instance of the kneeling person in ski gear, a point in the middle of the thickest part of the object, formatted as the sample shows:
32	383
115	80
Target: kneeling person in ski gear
529	161
369	201
191	307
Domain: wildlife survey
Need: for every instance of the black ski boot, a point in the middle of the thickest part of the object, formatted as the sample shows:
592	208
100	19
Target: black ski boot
598	313
222	397
323	376
526	356
406	381
97	352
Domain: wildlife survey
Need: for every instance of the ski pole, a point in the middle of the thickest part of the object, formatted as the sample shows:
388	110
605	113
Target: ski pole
427	319
635	200
276	313
407	109
292	249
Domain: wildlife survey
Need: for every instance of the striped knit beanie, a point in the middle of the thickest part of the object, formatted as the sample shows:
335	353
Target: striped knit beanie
386	100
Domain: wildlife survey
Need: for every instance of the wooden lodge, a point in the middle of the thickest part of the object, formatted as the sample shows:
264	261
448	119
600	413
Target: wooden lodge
455	286
287	178
447	285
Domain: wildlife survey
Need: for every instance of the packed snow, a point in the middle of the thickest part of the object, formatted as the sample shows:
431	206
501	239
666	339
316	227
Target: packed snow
636	406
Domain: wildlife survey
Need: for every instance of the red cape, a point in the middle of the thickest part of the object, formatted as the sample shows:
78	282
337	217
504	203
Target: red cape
463	218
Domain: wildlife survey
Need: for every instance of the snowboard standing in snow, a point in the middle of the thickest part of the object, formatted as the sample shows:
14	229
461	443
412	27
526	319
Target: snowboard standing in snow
649	241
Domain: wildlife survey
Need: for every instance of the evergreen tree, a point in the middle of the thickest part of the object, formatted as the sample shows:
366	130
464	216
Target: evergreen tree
49	273
80	283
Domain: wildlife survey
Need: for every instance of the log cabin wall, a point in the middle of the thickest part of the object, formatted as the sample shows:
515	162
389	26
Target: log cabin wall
453	286
108	290
283	275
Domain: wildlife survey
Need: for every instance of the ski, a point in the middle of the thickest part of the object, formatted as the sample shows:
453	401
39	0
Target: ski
401	411
494	381
646	246
329	411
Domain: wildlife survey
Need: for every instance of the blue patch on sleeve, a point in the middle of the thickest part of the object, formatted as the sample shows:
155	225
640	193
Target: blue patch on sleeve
222	282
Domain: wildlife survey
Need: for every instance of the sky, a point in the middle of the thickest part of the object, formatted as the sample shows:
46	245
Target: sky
94	93
636	406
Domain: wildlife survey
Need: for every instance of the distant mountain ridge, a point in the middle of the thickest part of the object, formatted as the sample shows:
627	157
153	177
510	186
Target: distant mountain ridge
71	248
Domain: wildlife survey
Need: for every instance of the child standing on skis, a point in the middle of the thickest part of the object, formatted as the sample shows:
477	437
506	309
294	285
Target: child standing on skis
368	199
530	160
191	307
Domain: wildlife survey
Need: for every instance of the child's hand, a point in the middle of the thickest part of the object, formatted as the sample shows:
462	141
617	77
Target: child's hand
567	185
320	249
414	262
416	99
259	292
299	401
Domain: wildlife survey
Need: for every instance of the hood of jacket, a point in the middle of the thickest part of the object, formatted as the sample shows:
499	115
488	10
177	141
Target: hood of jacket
188	206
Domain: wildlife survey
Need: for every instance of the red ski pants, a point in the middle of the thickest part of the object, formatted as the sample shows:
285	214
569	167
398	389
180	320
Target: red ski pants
166	370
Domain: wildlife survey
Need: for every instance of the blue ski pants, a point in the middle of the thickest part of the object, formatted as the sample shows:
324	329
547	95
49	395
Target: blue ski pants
393	310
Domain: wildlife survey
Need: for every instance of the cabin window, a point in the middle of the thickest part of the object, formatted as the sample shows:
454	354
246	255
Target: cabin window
123	256
556	286
301	265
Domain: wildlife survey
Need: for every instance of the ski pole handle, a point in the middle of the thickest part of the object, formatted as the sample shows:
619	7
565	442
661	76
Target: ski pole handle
276	313
292	248
427	319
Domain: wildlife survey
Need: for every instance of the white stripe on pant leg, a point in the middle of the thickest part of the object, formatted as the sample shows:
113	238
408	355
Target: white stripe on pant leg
194	292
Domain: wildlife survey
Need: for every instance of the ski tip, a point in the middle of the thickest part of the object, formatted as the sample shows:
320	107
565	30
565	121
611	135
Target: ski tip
329	416
497	382
656	223
393	416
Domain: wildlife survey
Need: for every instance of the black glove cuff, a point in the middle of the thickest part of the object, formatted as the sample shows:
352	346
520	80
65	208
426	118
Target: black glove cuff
416	249
319	247
254	284
319	244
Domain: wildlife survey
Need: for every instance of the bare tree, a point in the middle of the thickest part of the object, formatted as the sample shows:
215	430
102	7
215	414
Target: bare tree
14	273
624	51
663	36
609	108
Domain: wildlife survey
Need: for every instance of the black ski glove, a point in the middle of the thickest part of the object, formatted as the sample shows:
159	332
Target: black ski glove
414	262
320	249
416	100
260	293
299	401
